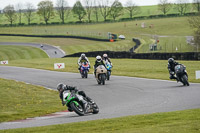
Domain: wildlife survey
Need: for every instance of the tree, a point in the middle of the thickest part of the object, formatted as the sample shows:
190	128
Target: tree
181	6
88	6
29	12
104	8
96	10
19	8
194	22
132	8
45	9
116	9
164	6
196	4
1	13
62	9
10	13
79	10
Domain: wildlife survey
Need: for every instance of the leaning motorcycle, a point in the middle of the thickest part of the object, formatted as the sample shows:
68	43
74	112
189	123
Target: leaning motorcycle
74	103
109	67
84	70
181	74
100	76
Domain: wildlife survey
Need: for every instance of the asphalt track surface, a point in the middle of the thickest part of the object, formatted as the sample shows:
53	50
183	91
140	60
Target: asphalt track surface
121	96
51	51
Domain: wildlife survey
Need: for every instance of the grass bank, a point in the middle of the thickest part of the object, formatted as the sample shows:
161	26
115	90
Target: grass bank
164	26
156	69
71	46
20	52
175	28
187	121
19	101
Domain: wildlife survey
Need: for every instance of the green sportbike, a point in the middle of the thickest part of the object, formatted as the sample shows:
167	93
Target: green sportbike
79	104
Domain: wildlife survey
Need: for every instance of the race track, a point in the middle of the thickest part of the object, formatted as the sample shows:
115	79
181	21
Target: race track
121	96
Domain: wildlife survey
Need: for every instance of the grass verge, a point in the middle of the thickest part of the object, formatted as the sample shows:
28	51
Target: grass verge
20	52
19	100
187	121
156	69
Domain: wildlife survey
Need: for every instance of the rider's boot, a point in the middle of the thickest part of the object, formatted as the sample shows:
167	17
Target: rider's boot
85	105
90	100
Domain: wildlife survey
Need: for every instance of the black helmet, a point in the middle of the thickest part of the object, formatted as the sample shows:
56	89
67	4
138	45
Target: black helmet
60	87
171	60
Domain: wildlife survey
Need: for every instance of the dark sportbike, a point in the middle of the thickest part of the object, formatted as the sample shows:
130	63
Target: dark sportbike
74	103
181	74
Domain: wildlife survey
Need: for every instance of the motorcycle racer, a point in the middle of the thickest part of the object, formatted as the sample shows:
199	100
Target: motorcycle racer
106	59
62	88
171	65
82	59
98	62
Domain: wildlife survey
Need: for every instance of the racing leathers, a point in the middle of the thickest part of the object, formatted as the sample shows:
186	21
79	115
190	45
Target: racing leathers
97	64
171	67
107	60
82	60
72	88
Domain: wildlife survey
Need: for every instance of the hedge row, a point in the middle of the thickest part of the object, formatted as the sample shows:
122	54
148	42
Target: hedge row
57	36
154	56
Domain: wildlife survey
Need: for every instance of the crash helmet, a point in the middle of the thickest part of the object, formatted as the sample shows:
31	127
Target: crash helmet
171	61
105	56
83	56
60	87
98	58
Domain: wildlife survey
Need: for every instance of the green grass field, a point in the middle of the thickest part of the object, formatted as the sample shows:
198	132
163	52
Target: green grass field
20	52
19	101
174	28
157	69
178	26
187	121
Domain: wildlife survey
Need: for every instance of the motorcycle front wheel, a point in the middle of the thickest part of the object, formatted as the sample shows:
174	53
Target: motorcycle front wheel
108	75
95	109
185	80
77	108
103	78
86	74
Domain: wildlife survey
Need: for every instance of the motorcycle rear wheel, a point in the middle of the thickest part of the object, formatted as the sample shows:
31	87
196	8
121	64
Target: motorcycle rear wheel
78	109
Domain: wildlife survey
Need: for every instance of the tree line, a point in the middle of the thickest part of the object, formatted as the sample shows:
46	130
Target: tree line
85	8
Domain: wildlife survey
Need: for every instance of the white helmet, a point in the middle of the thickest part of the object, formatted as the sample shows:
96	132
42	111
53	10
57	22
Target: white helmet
98	58
82	55
105	55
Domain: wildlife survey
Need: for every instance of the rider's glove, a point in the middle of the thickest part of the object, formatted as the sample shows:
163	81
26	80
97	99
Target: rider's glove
63	103
172	72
